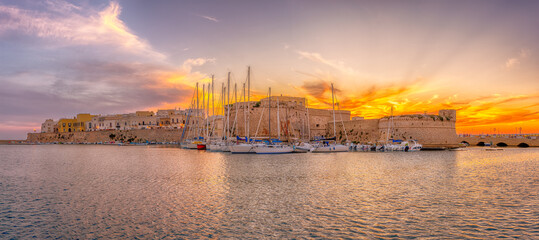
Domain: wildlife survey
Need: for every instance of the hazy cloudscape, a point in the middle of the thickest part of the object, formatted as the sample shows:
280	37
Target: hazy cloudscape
60	58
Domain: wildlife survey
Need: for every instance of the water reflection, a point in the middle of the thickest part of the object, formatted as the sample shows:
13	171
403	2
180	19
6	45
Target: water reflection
143	192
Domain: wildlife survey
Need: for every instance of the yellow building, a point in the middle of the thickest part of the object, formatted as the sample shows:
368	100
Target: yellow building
77	124
66	125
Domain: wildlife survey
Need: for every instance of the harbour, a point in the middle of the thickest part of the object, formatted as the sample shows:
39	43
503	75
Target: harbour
288	119
98	191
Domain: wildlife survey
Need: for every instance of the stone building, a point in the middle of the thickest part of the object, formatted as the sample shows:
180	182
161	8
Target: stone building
49	126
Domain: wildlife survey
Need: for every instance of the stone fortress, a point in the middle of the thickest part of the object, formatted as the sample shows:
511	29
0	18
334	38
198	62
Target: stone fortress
291	120
433	131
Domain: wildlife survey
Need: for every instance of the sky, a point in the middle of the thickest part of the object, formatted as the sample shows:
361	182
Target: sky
59	58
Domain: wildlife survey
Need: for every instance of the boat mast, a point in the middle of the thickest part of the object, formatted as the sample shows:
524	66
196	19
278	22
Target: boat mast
212	97
235	125
269	114
207	126
203	130
287	124
244	114
197	113
278	121
248	99
333	104
308	122
223	103
228	107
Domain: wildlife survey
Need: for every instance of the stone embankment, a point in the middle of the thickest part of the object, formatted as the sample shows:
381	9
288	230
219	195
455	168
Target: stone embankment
139	135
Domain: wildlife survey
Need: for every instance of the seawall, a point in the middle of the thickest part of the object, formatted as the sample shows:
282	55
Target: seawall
139	135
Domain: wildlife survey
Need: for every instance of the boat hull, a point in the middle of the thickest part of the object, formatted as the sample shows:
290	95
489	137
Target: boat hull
330	148
273	150
191	146
201	146
242	148
215	147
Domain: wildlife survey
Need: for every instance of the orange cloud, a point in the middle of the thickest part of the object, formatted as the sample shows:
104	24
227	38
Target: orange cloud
480	113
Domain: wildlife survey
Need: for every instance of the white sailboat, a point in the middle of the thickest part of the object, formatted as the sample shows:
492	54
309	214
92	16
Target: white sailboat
246	147
272	148
325	147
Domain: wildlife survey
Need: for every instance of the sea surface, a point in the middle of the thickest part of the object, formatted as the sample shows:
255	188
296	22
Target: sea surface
96	191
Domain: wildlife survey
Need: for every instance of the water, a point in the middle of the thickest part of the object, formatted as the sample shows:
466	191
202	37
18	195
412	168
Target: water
85	191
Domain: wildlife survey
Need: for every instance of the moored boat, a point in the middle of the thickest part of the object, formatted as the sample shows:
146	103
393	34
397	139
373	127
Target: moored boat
201	146
273	149
324	148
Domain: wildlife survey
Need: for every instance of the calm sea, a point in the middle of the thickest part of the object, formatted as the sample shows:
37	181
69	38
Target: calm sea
93	191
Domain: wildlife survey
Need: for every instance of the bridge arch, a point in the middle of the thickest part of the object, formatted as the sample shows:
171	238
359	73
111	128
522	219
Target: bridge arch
465	143
481	144
501	144
523	145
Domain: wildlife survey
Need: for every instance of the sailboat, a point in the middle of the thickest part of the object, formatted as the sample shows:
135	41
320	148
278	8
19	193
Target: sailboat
330	145
191	143
248	146
270	147
217	145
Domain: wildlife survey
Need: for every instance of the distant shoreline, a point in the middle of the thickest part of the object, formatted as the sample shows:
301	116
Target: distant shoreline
13	142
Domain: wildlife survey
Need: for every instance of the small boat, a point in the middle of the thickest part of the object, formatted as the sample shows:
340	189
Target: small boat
191	145
201	146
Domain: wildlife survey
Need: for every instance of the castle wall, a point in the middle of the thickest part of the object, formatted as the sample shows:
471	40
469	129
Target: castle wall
362	131
432	131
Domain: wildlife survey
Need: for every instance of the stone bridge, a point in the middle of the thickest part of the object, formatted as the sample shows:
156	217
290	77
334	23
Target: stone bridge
500	141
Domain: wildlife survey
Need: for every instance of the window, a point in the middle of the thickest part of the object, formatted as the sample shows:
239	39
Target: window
64	125
69	124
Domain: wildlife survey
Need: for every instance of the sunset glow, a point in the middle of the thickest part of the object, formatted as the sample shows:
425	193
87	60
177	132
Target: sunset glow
61	58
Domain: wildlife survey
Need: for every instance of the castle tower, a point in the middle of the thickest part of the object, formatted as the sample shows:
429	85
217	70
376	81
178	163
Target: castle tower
450	113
